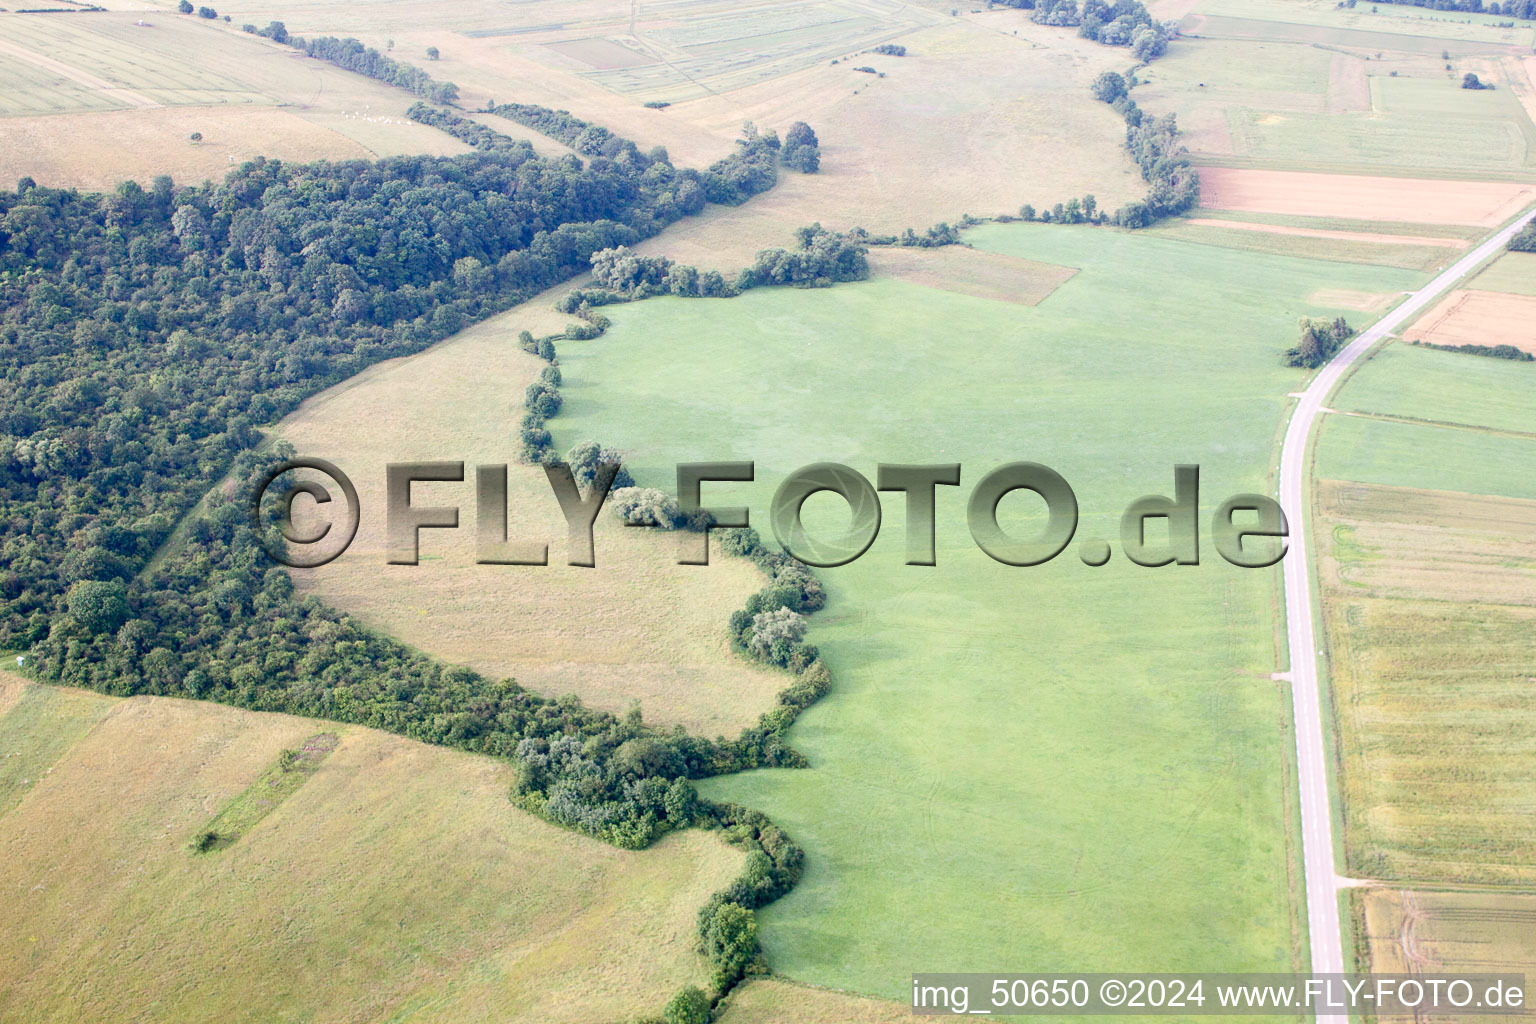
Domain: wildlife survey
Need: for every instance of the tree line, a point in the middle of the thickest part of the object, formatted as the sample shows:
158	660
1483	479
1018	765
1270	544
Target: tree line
1153	142
1525	9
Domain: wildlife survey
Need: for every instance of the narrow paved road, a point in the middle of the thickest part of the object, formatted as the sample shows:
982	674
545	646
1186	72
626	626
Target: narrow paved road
1311	751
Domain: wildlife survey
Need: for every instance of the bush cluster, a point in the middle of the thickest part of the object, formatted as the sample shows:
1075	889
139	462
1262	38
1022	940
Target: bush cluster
1320	339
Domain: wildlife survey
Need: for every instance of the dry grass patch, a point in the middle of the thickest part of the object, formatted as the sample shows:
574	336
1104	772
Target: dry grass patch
37	726
975	272
97	150
1467	317
399	881
637	627
1346	298
1342	236
771	1001
1430	615
246	96
1365	197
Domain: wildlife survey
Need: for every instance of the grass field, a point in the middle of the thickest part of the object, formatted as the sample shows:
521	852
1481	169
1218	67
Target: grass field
1513	272
1014	764
1410	932
398	883
1432	458
636	627
1446	387
1430	618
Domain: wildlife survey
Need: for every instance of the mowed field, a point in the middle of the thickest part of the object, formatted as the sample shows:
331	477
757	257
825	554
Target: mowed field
1444	387
1055	764
397	883
1513	273
95	99
638	626
1422	932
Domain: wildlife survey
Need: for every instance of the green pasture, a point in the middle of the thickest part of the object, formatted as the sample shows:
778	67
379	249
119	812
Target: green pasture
1057	765
1431	458
1448	387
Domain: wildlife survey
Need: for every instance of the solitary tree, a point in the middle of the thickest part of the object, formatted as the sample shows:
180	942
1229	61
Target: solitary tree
432	53
184	7
1471	81
197	136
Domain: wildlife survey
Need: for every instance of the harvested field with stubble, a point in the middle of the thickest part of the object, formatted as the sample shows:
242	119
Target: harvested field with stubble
1466	317
1416	200
397	882
1421	932
1430	615
638	626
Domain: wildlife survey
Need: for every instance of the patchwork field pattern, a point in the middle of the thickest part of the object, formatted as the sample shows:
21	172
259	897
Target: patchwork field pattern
395	883
1430	615
1304	86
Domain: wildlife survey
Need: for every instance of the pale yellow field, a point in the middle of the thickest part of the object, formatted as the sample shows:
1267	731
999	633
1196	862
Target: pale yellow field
1364	197
98	99
638	626
1408	932
1467	317
398	881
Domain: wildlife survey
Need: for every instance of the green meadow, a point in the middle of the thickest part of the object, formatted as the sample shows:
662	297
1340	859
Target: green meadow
1448	387
1374	451
1018	768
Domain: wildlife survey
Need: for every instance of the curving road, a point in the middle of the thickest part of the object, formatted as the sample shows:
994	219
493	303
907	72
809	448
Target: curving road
1311	751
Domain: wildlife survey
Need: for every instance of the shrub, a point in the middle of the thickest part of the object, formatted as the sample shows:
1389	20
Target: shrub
689	1006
